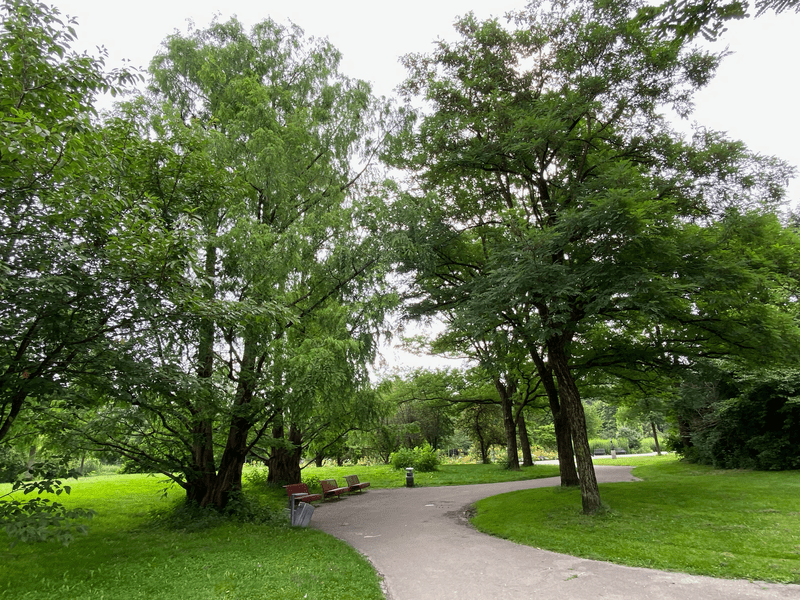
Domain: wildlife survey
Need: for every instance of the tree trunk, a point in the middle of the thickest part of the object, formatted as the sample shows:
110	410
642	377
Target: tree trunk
655	437
284	462
506	392
204	474
524	440
571	403
481	442
566	456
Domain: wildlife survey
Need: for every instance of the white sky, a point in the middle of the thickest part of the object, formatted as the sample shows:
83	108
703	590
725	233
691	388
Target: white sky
753	97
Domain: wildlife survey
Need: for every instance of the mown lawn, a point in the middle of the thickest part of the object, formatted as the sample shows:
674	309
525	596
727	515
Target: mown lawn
384	476
139	547
135	551
682	517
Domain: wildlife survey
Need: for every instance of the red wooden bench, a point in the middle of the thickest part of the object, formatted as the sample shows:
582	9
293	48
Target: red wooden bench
301	488
331	488
354	484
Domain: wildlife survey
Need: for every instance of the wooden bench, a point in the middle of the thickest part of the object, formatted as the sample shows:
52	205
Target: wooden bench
331	489
599	451
301	488
620	450
354	484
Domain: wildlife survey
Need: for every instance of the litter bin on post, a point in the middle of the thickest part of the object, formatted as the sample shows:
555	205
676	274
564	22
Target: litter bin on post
409	476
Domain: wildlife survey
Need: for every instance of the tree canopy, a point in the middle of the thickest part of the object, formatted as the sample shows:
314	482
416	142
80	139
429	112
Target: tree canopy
554	198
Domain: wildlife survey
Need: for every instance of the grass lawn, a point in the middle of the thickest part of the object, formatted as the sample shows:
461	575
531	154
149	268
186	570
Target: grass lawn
682	517
384	476
133	552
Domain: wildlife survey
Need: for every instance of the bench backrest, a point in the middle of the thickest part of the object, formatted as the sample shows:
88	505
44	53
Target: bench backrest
296	488
328	484
352	480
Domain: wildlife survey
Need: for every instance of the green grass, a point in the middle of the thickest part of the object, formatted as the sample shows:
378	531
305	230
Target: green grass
384	476
131	553
682	517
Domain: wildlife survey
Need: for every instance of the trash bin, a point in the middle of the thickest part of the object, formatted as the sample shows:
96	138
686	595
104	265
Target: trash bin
409	476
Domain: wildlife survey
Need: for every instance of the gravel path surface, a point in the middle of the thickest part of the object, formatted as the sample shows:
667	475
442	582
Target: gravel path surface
420	541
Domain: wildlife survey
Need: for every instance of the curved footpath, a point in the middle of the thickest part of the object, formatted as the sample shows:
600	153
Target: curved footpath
420	541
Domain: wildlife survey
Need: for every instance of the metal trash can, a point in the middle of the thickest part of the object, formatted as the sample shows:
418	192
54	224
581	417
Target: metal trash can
300	512
409	476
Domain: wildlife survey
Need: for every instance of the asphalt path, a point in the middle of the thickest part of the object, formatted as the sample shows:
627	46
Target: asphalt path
421	543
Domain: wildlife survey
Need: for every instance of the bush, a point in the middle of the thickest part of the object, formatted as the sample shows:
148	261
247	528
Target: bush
757	429
423	459
647	444
596	443
629	438
12	463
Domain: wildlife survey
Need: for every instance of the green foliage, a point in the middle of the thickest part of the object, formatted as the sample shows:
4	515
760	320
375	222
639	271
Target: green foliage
12	463
41	519
422	458
553	203
629	437
69	280
594	421
682	517
756	428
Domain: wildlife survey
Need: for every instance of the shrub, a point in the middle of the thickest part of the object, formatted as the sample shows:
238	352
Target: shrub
629	438
12	463
423	459
647	444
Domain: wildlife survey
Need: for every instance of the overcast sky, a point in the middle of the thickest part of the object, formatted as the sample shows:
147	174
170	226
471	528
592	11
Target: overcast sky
754	96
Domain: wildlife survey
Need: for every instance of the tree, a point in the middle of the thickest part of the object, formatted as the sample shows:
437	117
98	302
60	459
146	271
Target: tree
553	195
283	292
739	418
708	18
66	289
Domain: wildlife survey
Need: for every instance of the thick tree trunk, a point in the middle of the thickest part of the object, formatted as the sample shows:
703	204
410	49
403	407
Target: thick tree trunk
655	437
571	403
203	477
284	462
217	489
507	403
524	440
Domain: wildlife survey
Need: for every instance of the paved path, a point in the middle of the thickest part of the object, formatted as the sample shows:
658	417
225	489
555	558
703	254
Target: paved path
422	544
